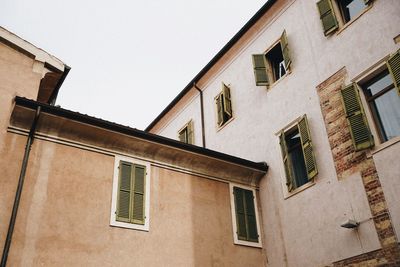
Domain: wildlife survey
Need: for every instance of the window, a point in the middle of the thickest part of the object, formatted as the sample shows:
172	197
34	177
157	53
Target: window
130	199
272	65
297	154
383	96
224	106
347	10
245	216
186	133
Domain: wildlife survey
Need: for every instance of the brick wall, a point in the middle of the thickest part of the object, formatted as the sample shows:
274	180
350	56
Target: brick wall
348	161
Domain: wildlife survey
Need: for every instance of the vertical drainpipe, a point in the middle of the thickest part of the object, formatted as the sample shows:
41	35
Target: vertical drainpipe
13	218
203	135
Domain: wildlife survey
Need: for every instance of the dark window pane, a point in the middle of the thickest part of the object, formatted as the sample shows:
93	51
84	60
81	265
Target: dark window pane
275	59
295	154
351	8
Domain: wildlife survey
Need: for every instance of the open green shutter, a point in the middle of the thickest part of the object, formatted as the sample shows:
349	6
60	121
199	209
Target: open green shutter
285	50
240	213
220	111
327	16
252	234
286	163
309	157
182	136
190	132
124	192
227	99
393	64
138	206
359	129
260	70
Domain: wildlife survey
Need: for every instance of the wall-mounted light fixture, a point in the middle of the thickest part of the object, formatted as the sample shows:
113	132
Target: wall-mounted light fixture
350	224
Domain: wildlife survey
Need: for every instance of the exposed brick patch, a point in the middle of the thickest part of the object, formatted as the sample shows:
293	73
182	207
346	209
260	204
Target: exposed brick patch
348	161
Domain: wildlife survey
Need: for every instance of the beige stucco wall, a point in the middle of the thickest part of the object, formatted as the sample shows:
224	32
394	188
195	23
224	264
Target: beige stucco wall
19	75
303	230
64	215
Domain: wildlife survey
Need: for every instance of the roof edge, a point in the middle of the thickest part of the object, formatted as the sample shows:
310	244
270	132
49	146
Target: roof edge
214	60
111	126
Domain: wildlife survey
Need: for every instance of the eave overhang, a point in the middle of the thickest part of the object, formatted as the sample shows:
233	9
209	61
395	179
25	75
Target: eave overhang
62	124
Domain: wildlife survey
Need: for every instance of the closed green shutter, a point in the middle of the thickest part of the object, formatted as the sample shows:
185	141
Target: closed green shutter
393	64
240	213
227	100
327	16
220	111
252	234
309	157
260	70
190	132
124	192
286	162
138	208
285	50
359	129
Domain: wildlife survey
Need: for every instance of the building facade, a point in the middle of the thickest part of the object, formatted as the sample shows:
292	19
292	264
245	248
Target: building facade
311	88
80	191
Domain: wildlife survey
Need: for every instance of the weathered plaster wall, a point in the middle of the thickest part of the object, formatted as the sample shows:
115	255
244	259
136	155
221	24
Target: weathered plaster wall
65	213
303	230
17	77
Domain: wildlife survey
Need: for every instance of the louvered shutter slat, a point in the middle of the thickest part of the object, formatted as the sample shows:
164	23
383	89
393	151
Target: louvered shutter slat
138	196
394	68
285	50
252	233
227	99
289	179
260	70
124	192
359	129
308	154
327	16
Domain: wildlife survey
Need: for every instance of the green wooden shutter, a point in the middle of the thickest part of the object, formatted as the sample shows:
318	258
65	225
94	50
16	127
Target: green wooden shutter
308	154
252	234
190	132
285	50
260	70
359	129
240	213
393	64
220	115
182	135
327	16
286	162
138	207
227	100
124	192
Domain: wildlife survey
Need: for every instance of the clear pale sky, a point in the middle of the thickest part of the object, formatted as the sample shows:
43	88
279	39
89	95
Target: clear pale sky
129	59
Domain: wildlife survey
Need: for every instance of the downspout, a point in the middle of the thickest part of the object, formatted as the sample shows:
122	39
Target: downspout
203	135
13	218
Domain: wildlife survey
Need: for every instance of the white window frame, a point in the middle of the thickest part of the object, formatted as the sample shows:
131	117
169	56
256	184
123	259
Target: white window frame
234	224
113	217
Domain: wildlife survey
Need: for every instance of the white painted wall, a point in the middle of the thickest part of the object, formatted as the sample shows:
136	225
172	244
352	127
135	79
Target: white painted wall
303	229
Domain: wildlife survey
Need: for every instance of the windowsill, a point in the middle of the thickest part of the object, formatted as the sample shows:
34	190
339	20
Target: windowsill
219	128
342	28
298	189
248	243
131	226
278	81
384	145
